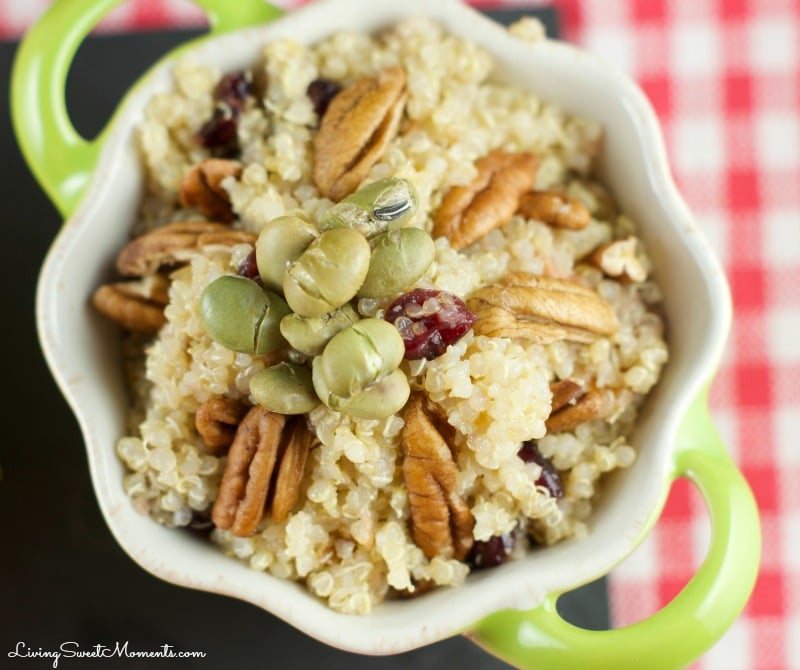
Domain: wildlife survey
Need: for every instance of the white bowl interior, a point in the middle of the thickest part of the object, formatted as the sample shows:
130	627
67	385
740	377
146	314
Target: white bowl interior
82	349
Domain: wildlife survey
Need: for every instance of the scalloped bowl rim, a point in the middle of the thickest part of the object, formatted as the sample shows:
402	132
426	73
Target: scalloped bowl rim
81	351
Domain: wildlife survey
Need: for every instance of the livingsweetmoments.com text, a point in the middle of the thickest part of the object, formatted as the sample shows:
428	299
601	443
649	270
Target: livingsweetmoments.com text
117	650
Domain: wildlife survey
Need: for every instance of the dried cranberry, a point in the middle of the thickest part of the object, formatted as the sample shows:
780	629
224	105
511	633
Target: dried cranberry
321	92
429	321
219	133
233	90
249	267
549	478
492	552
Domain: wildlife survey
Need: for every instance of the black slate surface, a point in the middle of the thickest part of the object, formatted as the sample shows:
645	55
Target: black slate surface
62	576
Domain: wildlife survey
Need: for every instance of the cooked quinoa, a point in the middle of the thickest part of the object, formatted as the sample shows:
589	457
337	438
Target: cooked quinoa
348	537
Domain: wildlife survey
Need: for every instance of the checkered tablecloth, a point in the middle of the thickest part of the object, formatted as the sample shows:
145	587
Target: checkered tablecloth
724	77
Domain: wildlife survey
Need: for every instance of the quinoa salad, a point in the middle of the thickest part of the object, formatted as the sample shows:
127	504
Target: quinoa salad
383	324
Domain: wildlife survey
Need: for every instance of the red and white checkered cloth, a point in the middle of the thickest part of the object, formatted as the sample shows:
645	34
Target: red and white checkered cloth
724	77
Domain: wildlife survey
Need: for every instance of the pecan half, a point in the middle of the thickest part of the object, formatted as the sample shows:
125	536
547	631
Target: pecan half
169	244
359	123
265	465
594	404
441	521
293	458
469	212
201	188
217	419
554	209
565	392
134	305
245	483
541	310
619	259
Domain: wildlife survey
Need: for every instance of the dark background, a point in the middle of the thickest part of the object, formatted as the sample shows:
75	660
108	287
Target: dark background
62	576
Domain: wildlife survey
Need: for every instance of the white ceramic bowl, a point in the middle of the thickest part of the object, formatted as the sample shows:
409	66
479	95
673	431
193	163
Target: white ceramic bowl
82	348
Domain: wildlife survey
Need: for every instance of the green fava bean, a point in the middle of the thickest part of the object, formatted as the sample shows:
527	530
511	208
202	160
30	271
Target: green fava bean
310	335
356	362
285	388
360	355
328	273
280	242
399	258
383	398
240	315
386	204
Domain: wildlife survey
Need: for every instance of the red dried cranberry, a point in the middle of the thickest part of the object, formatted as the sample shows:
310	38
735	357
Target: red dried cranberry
219	133
321	92
233	90
549	478
249	267
429	321
492	552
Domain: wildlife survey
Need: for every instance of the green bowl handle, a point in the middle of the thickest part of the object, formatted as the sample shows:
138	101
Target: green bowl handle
695	619
59	157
